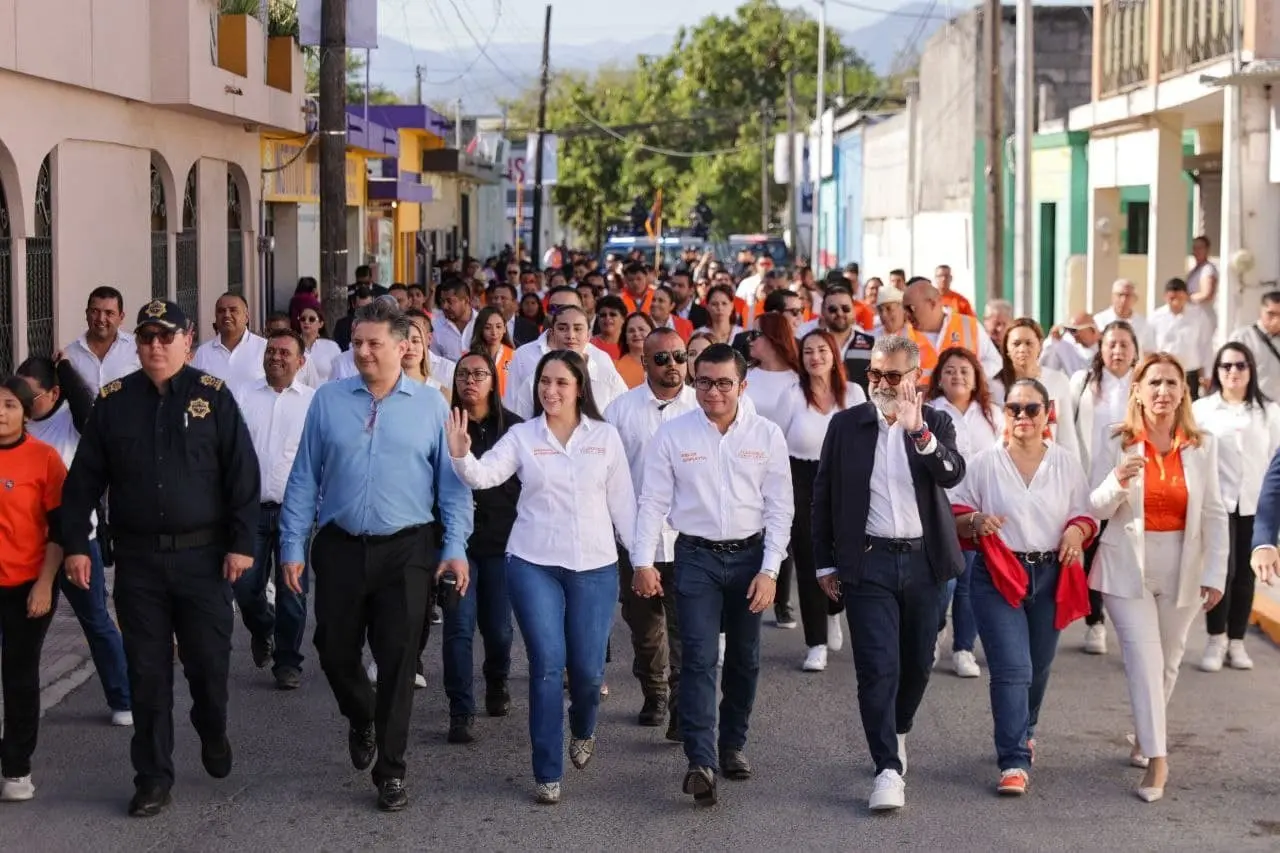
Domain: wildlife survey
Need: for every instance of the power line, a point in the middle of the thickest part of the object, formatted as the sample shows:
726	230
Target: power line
892	13
497	18
665	152
484	50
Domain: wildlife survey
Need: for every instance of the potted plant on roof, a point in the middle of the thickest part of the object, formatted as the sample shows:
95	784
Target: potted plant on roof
233	34
282	39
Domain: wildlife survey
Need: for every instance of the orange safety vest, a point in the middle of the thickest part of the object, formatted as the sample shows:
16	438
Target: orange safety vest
958	330
633	306
956	303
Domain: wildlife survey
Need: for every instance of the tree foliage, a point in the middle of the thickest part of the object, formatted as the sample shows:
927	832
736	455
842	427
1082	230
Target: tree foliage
378	94
720	87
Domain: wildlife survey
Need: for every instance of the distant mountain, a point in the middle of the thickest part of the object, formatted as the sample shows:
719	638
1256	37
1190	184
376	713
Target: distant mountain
464	73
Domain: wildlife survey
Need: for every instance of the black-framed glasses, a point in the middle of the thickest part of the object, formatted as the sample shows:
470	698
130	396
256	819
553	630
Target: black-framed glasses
754	335
724	386
478	375
1228	366
892	377
793	312
1017	410
662	359
150	336
839	309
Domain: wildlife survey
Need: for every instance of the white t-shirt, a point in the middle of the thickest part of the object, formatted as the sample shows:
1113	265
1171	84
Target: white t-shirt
805	427
769	390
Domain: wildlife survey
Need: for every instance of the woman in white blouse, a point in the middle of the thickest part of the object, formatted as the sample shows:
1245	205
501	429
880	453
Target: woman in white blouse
1023	343
1034	496
1164	555
805	415
1247	426
720	323
562	560
1101	397
320	351
959	388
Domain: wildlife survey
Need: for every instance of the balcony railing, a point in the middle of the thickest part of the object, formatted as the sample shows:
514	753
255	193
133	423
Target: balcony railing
1140	42
1125	46
1193	32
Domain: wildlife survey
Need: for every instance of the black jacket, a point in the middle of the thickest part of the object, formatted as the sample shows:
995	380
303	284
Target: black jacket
524	331
495	509
842	493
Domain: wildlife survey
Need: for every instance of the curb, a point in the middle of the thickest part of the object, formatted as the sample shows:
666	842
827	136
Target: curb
1266	615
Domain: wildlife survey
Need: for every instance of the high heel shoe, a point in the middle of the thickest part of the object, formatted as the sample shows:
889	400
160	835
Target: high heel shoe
1137	759
1150	795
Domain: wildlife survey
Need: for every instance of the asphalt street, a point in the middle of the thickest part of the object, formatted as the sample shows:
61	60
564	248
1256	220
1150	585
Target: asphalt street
293	787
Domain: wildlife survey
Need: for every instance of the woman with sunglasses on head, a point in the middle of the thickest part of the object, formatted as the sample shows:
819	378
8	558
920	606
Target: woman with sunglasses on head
631	363
1247	426
958	387
1101	398
320	351
30	557
721	326
823	390
562	557
490	337
485	603
1029	499
1164	555
611	312
1021	348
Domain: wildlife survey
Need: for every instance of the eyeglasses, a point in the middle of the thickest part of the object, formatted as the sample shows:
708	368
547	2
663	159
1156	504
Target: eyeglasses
724	386
150	336
839	309
892	377
662	359
1017	410
793	312
754	335
1228	366
478	375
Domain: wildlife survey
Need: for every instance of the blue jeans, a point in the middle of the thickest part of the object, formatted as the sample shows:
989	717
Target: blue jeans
956	596
564	618
1020	643
287	620
105	645
488	605
711	596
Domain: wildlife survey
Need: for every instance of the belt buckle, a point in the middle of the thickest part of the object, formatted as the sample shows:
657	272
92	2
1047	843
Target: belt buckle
899	546
722	548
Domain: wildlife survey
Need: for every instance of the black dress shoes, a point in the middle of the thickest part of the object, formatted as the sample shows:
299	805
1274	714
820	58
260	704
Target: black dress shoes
392	796
362	745
653	712
460	729
734	764
216	757
497	700
148	801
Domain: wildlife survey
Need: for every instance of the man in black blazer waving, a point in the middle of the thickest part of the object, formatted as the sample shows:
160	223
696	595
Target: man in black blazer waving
884	540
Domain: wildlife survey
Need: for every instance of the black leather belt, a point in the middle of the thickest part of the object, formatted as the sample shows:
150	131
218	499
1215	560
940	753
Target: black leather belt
895	546
727	546
167	542
372	539
1034	557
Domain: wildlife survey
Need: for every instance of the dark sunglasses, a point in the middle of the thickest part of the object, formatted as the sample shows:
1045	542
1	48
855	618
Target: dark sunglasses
1017	410
893	377
662	359
839	309
149	336
754	335
793	312
1229	366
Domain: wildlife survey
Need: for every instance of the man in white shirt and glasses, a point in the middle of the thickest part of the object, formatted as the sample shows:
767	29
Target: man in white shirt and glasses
103	353
884	540
655	632
722	478
275	408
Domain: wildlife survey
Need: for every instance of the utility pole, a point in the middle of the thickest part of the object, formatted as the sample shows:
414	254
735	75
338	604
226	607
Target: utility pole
417	73
536	238
793	197
815	157
1023	126
764	165
333	156
992	19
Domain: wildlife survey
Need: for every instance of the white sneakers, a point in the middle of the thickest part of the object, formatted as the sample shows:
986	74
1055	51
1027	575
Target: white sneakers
17	790
124	719
1215	653
965	664
1237	657
1095	639
835	634
889	793
902	752
816	659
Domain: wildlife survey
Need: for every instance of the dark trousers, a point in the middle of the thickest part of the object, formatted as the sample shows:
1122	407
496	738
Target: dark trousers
160	595
1096	616
1193	384
286	621
782	599
655	632
1231	615
815	606
893	626
711	591
488	606
21	641
375	587
105	645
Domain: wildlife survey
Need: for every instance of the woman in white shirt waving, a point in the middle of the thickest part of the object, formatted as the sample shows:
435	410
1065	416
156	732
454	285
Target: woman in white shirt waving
806	412
1033	495
562	560
958	387
1247	426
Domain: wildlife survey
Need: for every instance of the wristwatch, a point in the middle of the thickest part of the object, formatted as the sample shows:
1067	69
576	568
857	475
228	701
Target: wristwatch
771	575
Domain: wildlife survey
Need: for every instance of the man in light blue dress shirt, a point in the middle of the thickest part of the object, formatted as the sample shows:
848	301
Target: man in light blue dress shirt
372	463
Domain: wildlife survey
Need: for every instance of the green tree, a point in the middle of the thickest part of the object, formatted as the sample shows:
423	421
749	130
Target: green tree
720	86
378	94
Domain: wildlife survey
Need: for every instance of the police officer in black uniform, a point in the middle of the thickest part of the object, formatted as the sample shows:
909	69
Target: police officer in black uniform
170	445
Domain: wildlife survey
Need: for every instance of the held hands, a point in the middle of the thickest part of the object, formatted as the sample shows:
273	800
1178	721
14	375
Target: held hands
830	585
455	431
760	593
1069	550
293	576
1266	564
234	565
910	407
460	569
646	582
78	569
1130	467
40	599
1210	596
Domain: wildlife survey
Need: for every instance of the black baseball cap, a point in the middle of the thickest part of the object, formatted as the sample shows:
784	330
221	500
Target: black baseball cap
162	313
